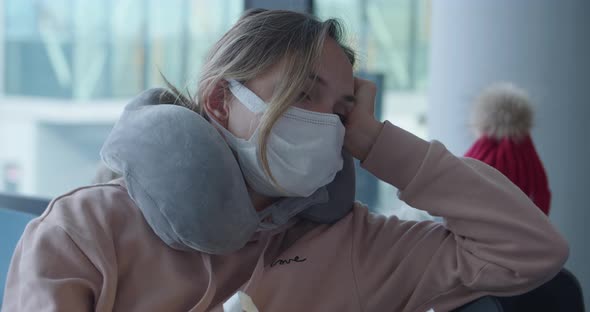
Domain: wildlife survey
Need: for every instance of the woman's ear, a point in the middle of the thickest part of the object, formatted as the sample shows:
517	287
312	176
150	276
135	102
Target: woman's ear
217	103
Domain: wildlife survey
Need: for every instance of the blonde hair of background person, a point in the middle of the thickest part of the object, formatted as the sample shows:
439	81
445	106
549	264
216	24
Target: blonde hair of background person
92	250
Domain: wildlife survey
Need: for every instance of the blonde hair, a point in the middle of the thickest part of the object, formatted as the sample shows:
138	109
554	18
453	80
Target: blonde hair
259	39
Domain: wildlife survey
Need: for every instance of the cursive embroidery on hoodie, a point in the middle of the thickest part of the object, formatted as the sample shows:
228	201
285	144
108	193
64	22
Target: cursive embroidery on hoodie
288	261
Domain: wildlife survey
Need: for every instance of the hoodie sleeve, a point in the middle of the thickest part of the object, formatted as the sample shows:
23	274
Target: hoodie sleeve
494	240
49	272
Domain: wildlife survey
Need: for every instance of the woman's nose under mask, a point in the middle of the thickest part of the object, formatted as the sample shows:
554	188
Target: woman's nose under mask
304	149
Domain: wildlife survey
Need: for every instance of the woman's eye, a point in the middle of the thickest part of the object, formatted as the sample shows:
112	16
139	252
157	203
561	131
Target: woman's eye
304	97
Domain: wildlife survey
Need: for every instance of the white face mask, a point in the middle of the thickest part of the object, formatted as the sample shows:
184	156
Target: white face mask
304	149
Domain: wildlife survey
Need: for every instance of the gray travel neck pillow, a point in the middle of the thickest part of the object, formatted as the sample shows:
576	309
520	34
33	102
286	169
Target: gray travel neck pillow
178	168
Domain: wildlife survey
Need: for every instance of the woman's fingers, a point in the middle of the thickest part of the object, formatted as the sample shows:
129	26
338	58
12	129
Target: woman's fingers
365	92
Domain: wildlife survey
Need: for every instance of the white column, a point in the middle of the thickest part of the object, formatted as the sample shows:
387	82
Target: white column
544	47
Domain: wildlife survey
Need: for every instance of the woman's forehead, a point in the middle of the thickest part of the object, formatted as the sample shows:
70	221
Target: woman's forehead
333	67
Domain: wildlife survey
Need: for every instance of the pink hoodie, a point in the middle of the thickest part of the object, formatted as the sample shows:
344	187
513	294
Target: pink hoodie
93	250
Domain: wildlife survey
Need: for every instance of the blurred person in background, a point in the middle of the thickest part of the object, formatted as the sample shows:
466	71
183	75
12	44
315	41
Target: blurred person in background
502	119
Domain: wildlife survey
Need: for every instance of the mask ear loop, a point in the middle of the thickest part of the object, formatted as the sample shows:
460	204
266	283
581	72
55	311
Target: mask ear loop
254	103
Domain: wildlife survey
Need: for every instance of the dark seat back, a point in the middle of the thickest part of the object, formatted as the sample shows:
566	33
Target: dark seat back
483	304
562	293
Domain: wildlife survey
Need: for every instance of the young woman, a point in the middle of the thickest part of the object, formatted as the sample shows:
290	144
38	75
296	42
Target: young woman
92	249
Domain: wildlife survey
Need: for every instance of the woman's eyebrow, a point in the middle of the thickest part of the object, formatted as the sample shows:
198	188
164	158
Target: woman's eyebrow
316	77
322	81
349	98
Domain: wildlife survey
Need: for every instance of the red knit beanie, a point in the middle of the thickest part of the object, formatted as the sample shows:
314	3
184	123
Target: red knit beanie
502	118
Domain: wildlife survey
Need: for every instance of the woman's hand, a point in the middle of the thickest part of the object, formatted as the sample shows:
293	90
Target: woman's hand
362	128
